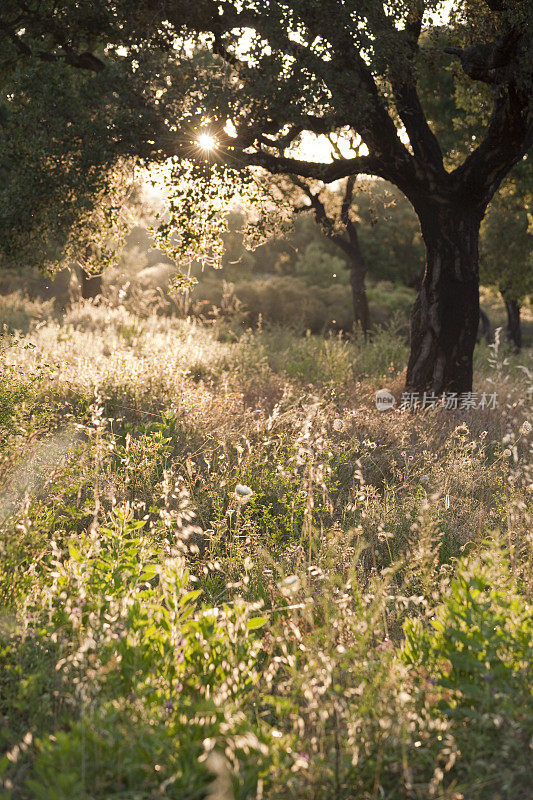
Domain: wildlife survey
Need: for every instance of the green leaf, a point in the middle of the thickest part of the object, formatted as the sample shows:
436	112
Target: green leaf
190	597
74	553
256	622
149	572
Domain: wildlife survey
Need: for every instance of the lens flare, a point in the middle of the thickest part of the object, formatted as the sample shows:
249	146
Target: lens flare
206	141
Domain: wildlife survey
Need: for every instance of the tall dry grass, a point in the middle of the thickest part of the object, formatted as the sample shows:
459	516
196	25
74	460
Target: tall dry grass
226	574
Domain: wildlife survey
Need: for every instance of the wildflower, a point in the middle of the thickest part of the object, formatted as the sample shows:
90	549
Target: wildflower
243	491
526	427
338	424
289	584
425	478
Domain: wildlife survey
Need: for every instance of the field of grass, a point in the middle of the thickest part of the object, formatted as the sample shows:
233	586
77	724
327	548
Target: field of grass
224	574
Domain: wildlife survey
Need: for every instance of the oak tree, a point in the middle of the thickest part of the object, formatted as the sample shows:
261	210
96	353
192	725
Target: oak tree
273	71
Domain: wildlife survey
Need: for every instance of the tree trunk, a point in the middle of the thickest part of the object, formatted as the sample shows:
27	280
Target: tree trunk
445	316
352	248
485	328
361	311
91	285
514	328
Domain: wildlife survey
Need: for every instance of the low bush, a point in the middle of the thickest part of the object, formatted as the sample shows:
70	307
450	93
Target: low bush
293	303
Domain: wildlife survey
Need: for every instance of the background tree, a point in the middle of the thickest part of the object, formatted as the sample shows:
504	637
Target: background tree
506	246
361	218
335	217
387	227
389	232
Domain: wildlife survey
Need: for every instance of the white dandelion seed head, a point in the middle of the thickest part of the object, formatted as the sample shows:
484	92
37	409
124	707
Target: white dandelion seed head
289	584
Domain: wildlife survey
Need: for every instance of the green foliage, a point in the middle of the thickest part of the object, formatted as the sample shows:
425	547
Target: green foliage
389	234
481	642
319	268
507	239
152	673
457	107
479	655
60	198
388	231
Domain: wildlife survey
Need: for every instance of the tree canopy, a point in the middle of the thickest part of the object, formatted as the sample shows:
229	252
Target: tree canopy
142	83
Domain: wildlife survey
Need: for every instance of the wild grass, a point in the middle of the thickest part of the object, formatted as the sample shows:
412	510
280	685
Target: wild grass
358	624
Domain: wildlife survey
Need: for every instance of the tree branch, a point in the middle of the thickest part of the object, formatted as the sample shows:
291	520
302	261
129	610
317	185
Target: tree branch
509	136
85	60
425	144
348	197
327	173
372	119
321	216
490	63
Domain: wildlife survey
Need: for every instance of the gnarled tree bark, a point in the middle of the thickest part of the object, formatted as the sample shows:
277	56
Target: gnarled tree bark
445	316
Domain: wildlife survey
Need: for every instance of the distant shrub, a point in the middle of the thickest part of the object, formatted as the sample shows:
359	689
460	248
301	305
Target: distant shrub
285	301
18	311
36	285
317	267
292	302
388	299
